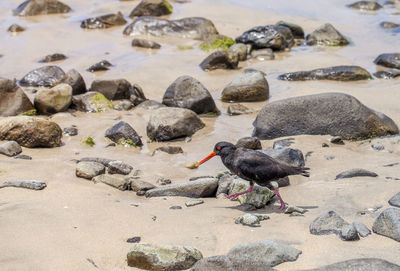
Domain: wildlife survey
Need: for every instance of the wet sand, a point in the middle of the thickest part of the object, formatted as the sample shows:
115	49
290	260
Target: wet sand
73	220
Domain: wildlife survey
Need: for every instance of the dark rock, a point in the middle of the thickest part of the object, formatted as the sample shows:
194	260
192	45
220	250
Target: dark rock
269	36
328	223
263	54
92	102
238	109
103	65
387	74
219	60
89	170
365	264
13	100
293	157
151	8
365	5
337	73
389	25
169	149
297	31
250	87
41	7
388	60
52	58
23	156
138	185
135	239
75	80
355	172
71	131
283	143
395	200
349	233
192	27
137	95
175	208
388	224
123	105
29	184
187	92
10	148
249	143
123	130
145	44
105	21
54	100
326	35
239	51
14	28
224	263
119	167
336	140
112	89
47	76
335	114
362	230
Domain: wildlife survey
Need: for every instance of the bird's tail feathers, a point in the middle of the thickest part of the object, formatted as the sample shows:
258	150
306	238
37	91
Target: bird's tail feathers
303	171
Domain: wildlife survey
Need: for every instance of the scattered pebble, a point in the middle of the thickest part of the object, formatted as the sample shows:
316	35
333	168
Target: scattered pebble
251	220
175	207
135	239
194	202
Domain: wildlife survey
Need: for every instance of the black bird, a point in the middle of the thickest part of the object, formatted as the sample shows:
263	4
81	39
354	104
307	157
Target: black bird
255	167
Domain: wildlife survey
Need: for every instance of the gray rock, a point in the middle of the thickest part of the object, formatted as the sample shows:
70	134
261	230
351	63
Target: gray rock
258	197
163	181
355	172
195	189
192	203
283	143
137	95
119	167
145	44
224	184
293	157
41	7
104	21
365	5
364	264
54	100
389	25
362	230
112	89
250	87
290	209
162	257
251	220
249	143
349	233
75	80
269	253
150	105
388	60
239	51
15	28
326	35
89	170
117	181
328	223
269	36
263	54
151	8
219	60
123	105
238	109
47	76
192	27
103	161
388	224
169	149
297	31
31	132
336	140
23	156
337	73
169	123
334	114
175	208
223	263
92	102
29	184
138	185
103	65
52	58
123	131
387	74
13	100
395	200
10	148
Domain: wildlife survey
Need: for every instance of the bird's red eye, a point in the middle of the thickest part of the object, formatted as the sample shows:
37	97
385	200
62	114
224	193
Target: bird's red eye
218	148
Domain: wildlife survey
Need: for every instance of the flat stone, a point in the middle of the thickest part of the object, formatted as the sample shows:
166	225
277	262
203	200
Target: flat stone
117	181
336	73
52	58
356	172
119	167
365	5
145	44
249	87
140	185
10	148
23	156
169	149
294	209
15	28
364	264
92	102
29	184
104	21
192	203
387	74
388	224
89	170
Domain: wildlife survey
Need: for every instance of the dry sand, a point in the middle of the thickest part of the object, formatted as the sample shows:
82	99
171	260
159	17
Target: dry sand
74	220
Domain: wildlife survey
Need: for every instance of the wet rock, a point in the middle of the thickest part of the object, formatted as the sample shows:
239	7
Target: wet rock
336	140
224	184
195	189
263	54
355	172
337	73
349	233
395	200
365	264
103	161
269	36
328	223
249	143
123	131
52	58
389	25
89	170
297	31
192	27
10	148
119	167
54	100
170	123
365	5
250	87
71	131
388	60
103	65
138	185
104	21
238	109
192	203
388	224
163	257
335	114
387	74
41	7
258	197
239	51
117	181
293	157
251	220
135	239
15	28
223	263
28	184
145	44
219	60
187	92
31	132
151	8
267	252
361	229
13	100
112	89
326	35
47	76
169	149
137	95
75	80
23	156
92	102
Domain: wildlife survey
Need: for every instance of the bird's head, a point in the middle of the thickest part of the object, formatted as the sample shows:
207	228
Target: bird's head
221	148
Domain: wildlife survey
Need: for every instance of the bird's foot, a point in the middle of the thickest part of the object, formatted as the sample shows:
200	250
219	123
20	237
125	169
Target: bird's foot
283	204
235	195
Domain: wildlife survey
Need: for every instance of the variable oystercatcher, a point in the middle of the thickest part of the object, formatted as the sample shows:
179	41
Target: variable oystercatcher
255	167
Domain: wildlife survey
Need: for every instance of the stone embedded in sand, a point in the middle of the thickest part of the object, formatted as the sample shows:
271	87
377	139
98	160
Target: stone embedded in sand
364	264
224	263
103	161
239	51
31	132
192	203
219	60
123	131
395	200
92	102
365	5
145	44
250	87
151	8
258	198
251	220
138	185
40	7
54	100
192	27
104	21
103	65
362	230
388	224
47	76
387	74
29	184
238	109
389	25
15	28
388	60
337	73
326	35
89	170
263	54
163	257
112	89
10	148
13	100
252	143
75	80
52	58
119	167
356	172
169	123
117	181
187	92
269	36
297	31
293	157
169	149
334	114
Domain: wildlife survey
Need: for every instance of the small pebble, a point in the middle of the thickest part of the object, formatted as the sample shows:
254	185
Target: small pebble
175	207
194	202
135	239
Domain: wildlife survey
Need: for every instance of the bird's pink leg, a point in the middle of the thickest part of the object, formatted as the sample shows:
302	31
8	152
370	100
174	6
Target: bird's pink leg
276	191
234	196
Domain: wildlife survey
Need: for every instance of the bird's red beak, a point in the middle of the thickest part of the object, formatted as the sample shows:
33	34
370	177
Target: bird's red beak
211	155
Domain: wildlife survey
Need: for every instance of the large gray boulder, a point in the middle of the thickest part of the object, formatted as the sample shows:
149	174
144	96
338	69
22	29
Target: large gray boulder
388	60
337	73
123	131
169	123
117	89
13	100
41	7
250	87
388	224
151	8
187	92
47	76
104	21
224	263
335	114
54	100
364	264
192	27
326	35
